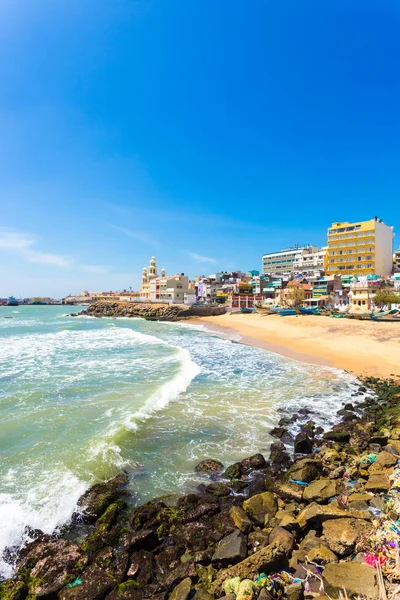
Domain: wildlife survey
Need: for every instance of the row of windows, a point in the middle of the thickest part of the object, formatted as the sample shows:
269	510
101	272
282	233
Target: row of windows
350	267
277	262
349	259
350	251
341	229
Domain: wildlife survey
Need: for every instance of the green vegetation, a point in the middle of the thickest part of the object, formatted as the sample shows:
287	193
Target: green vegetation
386	297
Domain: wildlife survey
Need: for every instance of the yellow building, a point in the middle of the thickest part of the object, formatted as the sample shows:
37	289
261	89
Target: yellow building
363	248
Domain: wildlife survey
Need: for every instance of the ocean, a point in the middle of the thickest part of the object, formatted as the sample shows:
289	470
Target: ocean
83	398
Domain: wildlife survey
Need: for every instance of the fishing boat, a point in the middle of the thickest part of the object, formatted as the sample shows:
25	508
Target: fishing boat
307	311
286	312
246	311
263	309
386	318
12	301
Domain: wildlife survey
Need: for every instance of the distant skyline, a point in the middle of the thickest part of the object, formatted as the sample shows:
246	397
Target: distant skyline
204	133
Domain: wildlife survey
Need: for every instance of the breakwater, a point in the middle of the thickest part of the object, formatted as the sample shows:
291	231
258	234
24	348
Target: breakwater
310	522
151	311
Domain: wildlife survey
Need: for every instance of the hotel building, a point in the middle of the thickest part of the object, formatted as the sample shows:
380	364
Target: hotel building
284	261
358	249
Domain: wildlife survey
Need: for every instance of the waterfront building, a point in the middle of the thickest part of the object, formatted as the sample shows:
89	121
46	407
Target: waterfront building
171	289
362	248
311	264
282	262
362	294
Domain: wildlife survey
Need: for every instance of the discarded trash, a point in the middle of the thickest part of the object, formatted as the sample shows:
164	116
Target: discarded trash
298	482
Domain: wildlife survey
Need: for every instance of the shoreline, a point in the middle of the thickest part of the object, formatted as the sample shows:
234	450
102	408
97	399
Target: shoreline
357	347
287	524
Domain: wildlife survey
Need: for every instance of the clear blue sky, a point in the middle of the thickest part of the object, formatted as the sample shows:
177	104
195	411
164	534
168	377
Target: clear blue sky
204	132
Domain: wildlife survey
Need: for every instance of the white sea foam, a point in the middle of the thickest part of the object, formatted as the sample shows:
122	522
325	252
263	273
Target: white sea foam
38	509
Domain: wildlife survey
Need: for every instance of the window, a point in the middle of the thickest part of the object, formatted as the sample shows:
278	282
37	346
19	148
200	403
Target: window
359	258
350	267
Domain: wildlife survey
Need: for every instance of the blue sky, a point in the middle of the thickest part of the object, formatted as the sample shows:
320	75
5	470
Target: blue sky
203	132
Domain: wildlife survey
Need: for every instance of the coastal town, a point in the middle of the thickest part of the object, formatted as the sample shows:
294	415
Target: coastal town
357	263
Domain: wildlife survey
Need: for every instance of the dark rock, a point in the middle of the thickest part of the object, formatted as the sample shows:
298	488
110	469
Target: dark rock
230	550
144	517
302	444
95	501
141	567
279	456
233	471
51	565
193	536
200	510
337	436
209	466
99	578
218	489
146	539
308	428
257	461
167	560
382	440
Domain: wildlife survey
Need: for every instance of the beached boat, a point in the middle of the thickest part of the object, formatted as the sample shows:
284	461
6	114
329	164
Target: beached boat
286	312
12	301
307	311
386	318
263	309
246	311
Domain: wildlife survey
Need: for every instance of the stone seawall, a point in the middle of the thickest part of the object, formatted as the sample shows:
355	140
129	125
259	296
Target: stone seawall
151	311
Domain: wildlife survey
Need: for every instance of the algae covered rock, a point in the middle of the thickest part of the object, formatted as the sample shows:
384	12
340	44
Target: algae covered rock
95	501
182	590
209	465
240	519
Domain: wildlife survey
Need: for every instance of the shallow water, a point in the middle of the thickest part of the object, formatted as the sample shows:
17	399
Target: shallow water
82	398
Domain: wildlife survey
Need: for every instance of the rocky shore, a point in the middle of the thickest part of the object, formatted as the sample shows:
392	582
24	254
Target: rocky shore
150	311
318	519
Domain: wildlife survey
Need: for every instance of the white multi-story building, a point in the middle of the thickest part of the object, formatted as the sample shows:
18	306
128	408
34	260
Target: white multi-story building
311	263
283	261
170	289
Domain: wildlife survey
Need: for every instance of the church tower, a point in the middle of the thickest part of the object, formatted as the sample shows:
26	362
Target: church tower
144	276
153	268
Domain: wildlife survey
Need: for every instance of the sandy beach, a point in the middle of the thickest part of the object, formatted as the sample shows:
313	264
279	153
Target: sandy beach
359	347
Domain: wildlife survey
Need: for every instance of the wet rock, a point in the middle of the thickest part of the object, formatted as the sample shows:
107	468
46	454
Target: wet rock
343	534
233	471
358	581
321	490
167	560
279	456
144	517
257	461
337	436
240	519
141	567
95	501
182	572
99	578
230	550
308	428
218	489
182	590
51	565
209	466
200	510
260	506
302	444
349	406
140	540
192	536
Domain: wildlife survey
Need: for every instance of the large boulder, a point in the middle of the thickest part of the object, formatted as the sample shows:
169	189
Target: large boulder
343	534
321	490
377	483
284	538
305	470
230	550
261	507
357	581
302	443
51	565
240	519
94	502
98	579
257	461
317	513
279	456
209	465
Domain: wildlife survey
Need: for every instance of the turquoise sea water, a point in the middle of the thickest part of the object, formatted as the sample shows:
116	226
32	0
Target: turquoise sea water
82	398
